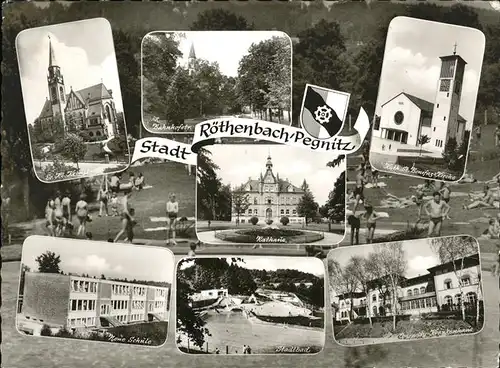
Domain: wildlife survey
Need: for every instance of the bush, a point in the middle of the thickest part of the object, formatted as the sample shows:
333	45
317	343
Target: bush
46	331
254	220
63	332
285	220
57	171
269	221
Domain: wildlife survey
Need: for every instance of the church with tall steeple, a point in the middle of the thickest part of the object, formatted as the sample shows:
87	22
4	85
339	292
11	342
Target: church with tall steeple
405	119
270	196
89	112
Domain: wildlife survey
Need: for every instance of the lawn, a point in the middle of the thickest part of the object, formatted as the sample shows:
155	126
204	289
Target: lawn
21	351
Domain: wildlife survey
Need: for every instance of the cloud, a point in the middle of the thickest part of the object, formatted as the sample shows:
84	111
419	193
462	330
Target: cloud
93	264
77	70
420	264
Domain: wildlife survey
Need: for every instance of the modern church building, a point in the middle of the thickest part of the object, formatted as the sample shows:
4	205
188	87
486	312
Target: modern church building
270	198
84	302
443	287
405	117
89	111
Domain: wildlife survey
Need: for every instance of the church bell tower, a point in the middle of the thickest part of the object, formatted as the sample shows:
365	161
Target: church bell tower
445	119
57	91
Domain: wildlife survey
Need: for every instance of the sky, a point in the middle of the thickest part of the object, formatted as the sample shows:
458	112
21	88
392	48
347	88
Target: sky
308	265
224	47
412	65
418	252
96	258
292	163
83	61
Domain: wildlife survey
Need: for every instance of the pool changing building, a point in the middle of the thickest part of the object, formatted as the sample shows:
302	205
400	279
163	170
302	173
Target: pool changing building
80	302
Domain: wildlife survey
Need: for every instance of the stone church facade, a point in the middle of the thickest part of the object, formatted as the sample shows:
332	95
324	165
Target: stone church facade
89	112
270	198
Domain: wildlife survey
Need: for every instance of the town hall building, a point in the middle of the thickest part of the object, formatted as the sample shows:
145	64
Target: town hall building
89	112
405	118
270	198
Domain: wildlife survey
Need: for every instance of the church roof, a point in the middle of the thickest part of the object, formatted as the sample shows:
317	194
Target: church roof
46	110
96	92
422	104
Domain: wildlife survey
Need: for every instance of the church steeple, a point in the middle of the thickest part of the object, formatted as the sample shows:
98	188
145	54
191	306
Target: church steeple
52	55
191	59
192	54
57	90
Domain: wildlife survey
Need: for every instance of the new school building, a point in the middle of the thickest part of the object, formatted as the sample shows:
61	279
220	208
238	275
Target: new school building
441	289
84	302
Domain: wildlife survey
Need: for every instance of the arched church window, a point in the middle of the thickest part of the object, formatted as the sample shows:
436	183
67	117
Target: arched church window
98	133
61	92
399	117
91	134
108	113
255	201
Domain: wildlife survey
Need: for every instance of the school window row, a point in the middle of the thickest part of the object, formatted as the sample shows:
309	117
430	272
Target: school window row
159	304
119	304
140	291
136	317
138	304
80	286
81	322
120	289
161	293
82	305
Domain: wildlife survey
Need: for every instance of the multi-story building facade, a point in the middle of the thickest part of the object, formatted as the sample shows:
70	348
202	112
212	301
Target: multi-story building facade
79	302
350	305
270	198
443	287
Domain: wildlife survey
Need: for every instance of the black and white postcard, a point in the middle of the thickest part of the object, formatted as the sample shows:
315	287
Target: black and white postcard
270	196
425	108
94	291
408	290
72	100
151	203
250	305
189	77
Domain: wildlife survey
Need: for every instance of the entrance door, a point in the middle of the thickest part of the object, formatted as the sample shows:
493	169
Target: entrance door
269	213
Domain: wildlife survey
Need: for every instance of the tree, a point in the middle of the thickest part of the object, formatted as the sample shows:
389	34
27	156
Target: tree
178	97
48	262
218	20
357	266
456	250
393	264
335	205
241	202
189	322
450	154
336	161
423	139
307	206
209	185
317	60
342	282
73	148
208	81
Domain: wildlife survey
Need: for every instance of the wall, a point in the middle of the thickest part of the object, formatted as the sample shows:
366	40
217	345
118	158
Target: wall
46	297
411	120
